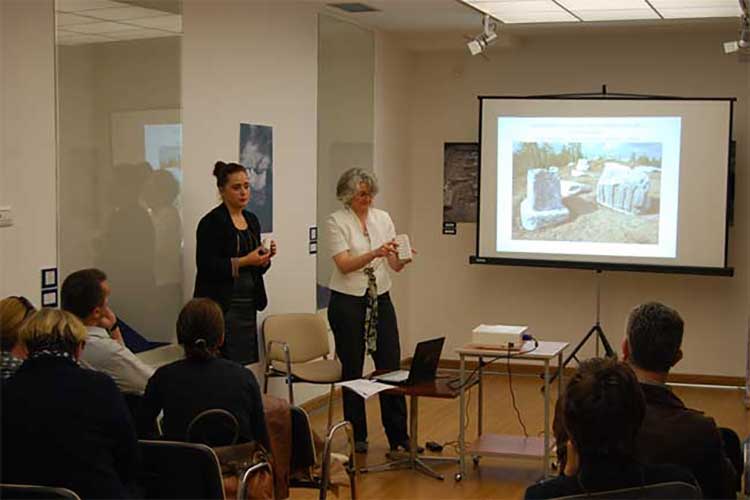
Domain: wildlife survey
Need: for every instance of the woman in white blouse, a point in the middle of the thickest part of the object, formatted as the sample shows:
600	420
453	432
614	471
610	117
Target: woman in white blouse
360	312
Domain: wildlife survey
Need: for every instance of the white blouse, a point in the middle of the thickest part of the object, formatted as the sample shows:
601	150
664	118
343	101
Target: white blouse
344	232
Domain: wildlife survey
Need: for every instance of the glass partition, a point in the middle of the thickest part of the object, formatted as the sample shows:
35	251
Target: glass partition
120	151
346	67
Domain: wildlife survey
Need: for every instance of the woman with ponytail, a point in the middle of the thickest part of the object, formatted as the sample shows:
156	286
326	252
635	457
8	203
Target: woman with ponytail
231	263
202	381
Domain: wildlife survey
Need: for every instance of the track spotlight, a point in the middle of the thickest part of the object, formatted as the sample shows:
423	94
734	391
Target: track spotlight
744	40
479	43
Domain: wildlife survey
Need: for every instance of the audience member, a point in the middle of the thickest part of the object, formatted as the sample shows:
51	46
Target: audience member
672	433
85	293
202	381
13	312
63	425
602	410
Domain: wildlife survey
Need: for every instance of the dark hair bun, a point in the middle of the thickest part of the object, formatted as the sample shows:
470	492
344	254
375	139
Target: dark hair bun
219	168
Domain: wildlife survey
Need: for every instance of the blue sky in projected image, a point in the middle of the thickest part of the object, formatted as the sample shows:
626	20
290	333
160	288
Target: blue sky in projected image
607	150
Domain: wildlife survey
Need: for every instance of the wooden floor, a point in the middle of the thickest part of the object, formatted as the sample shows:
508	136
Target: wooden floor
493	478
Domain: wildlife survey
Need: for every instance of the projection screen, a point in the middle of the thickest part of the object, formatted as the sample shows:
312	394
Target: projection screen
605	183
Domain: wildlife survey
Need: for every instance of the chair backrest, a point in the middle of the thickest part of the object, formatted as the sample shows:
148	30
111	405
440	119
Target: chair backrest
180	470
214	427
305	333
33	492
668	490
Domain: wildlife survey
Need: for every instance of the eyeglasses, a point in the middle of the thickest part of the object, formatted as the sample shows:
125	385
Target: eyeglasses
28	306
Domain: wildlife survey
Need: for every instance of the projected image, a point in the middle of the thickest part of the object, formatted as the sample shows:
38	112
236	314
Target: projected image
599	192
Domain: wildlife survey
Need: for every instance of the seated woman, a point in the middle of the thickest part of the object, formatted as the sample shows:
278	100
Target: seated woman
202	381
602	410
13	312
64	425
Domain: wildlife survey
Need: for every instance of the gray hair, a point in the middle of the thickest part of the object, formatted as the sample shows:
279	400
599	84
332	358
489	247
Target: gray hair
349	182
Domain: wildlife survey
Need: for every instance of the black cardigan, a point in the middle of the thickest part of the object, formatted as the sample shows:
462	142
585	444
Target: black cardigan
216	245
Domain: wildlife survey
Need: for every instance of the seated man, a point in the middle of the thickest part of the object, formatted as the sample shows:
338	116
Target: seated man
85	293
672	433
63	425
602	409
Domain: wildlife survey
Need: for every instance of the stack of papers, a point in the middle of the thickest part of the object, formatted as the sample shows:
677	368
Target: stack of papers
365	387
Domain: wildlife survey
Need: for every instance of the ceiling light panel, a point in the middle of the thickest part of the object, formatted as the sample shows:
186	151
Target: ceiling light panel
675	9
524	11
125	13
82	5
609	10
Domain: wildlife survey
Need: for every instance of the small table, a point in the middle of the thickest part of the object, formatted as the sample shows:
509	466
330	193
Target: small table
444	387
513	446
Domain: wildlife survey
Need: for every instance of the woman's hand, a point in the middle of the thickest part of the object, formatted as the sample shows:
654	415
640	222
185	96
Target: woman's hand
260	257
386	249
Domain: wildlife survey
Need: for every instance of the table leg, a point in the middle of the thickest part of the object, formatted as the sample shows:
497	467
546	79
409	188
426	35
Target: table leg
462	417
480	399
546	418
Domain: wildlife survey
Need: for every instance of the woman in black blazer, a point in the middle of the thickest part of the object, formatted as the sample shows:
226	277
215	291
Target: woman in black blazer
231	263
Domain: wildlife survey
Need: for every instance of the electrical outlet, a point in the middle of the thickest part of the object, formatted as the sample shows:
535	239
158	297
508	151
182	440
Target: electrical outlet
6	217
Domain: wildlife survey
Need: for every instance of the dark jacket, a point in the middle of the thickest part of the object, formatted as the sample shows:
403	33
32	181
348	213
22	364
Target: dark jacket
672	433
66	426
185	388
216	245
608	475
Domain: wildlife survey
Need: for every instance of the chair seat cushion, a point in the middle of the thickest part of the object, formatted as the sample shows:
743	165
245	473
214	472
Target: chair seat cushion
320	371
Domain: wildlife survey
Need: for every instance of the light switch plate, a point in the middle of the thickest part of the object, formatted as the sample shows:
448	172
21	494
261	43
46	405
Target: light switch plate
6	217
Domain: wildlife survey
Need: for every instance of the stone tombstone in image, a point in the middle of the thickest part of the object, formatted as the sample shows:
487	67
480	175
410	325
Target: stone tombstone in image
543	203
581	168
624	189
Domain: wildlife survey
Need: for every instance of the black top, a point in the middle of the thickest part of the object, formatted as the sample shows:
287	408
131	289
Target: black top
672	433
608	475
216	244
185	388
66	426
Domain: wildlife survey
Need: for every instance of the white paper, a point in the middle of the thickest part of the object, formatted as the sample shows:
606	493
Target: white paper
365	387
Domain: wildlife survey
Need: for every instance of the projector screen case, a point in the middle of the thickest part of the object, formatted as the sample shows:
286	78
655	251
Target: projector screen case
610	181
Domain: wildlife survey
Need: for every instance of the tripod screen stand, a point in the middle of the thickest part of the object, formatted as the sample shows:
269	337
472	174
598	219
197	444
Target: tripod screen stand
595	330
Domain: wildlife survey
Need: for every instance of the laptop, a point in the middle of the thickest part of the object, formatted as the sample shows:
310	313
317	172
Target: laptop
423	368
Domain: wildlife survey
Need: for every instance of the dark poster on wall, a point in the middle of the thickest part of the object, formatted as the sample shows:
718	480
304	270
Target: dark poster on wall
460	181
256	155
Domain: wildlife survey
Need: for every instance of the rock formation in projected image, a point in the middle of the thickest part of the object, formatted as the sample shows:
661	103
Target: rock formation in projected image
543	203
581	168
624	189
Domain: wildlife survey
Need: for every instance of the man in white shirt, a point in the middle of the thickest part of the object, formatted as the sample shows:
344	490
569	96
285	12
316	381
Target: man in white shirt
85	293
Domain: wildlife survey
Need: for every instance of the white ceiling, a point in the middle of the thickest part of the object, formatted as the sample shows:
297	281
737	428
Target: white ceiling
576	11
96	21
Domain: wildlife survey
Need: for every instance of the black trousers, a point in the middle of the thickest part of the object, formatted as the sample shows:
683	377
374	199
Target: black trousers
346	314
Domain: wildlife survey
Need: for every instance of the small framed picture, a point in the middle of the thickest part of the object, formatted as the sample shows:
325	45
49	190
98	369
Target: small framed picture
313	233
49	277
313	248
49	298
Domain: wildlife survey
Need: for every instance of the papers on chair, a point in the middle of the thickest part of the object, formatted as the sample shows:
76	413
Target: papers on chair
365	387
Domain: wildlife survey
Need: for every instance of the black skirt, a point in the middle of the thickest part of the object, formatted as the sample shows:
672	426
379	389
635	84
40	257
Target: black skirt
240	324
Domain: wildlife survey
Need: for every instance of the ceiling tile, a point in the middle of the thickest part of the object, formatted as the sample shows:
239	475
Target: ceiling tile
66	19
539	17
125	13
81	5
576	5
169	23
616	14
695	12
81	39
139	34
100	27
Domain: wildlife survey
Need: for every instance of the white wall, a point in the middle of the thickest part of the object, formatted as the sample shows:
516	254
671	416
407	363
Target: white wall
449	296
233	74
27	150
